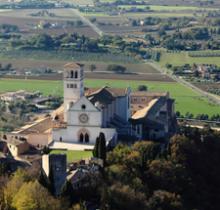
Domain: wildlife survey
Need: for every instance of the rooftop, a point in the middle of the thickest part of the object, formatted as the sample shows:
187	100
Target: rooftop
72	65
143	112
105	95
14	141
149	93
37	126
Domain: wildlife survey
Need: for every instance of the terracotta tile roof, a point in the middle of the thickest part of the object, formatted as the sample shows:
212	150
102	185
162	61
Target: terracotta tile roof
115	92
72	65
104	95
149	93
143	112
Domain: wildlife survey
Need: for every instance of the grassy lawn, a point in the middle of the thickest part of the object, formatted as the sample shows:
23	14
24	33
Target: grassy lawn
73	155
181	58
186	99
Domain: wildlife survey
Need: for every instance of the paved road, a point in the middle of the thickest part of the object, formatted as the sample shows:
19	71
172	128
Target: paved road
213	98
88	22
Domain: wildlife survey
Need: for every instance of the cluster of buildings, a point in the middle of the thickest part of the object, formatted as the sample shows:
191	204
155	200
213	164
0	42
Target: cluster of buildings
209	72
18	95
203	71
121	114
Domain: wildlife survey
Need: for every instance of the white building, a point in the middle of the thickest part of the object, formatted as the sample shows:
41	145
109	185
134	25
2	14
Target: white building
86	114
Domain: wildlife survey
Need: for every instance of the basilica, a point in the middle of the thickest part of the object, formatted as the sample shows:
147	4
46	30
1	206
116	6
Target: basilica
121	114
115	112
87	112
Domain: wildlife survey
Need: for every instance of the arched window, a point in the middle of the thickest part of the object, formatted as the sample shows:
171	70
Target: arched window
76	74
61	139
86	138
81	138
72	74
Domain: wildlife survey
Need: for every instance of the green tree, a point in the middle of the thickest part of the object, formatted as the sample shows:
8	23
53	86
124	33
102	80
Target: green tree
92	67
162	200
121	197
116	68
14	184
102	147
32	196
95	150
99	150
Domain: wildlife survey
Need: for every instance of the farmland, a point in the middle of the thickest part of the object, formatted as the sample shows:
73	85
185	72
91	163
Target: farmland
137	15
64	56
114	23
57	64
181	58
29	24
186	99
167	8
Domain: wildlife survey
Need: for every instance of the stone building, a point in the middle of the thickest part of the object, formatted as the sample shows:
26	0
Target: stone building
112	111
116	112
54	167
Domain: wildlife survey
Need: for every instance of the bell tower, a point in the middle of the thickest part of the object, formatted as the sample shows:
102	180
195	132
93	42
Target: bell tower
73	77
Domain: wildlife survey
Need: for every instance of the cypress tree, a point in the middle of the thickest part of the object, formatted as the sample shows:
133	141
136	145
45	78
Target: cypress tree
43	180
102	147
95	150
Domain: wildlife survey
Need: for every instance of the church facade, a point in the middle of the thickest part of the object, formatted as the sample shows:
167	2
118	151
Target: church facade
86	115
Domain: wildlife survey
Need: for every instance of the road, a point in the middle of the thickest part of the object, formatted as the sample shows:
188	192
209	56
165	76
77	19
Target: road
213	98
88	22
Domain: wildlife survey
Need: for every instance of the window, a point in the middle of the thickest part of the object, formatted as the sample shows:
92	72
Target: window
71	74
76	74
81	137
134	99
73	85
86	138
83	107
68	86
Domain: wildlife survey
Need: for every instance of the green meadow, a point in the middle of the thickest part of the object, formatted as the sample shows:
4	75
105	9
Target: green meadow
166	8
73	155
181	58
186	100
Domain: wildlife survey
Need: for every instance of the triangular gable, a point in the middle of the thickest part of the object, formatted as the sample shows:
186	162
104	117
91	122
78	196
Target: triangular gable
84	101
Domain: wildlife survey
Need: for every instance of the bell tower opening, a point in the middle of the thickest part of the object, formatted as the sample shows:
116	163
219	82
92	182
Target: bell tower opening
76	74
73	85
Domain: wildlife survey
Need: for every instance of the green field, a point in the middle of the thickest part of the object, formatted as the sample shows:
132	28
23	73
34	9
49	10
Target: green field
167	8
181	58
186	99
73	155
140	14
